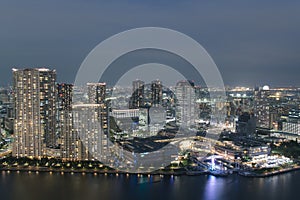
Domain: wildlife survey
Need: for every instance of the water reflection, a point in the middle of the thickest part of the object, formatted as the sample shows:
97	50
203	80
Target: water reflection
33	186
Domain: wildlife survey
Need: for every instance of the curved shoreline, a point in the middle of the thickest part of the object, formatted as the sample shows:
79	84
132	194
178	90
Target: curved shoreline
86	171
116	172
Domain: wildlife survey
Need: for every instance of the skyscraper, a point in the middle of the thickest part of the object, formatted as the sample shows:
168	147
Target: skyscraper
137	98
262	107
95	116
97	95
34	107
93	141
68	138
185	112
156	92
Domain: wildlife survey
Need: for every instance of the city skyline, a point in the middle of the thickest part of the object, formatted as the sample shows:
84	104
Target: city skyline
146	129
48	121
149	99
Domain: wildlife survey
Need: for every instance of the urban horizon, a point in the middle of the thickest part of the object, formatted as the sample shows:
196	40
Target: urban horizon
149	100
227	86
244	115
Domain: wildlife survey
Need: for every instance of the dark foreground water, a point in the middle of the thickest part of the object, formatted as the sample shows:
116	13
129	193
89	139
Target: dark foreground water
33	186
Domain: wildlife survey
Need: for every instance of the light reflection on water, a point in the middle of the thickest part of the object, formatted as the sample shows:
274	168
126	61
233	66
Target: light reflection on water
33	186
210	188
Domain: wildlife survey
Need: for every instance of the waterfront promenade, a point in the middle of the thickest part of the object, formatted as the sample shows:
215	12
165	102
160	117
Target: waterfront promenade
178	172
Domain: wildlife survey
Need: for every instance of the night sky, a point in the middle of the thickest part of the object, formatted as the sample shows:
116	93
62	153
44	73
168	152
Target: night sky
252	42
